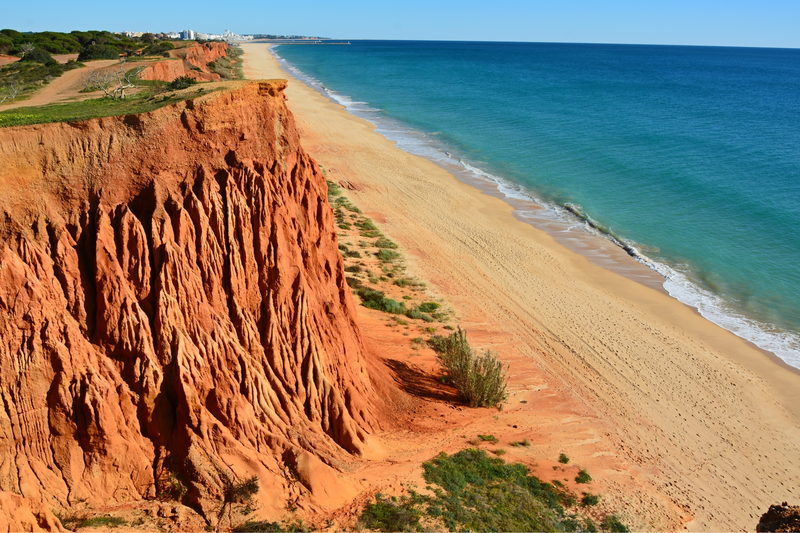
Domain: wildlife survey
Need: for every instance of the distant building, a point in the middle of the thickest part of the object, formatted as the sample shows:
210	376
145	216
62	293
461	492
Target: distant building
188	35
173	35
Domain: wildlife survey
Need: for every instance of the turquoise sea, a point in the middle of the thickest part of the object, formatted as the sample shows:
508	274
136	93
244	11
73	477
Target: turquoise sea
688	157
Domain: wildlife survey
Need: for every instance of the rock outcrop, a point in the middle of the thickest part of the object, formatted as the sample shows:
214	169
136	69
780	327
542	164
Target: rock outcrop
173	309
191	61
780	518
21	514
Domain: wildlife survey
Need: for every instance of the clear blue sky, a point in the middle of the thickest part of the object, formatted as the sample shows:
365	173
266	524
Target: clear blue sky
774	23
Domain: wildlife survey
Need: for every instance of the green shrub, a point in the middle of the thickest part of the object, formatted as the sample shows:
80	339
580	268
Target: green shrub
583	477
353	283
387	255
182	83
417	315
388	515
76	522
373	299
488	438
37	55
98	51
383	242
366	225
352	253
428	307
563	459
487	494
612	523
524	442
589	499
170	488
353	268
480	379
261	526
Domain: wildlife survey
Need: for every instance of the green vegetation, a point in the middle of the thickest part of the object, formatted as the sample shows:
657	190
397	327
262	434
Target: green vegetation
263	526
181	82
473	492
141	102
563	459
524	442
428	307
583	477
393	514
589	499
75	522
19	80
14	42
170	488
383	242
237	495
480	379
229	67
387	255
375	299
488	438
612	523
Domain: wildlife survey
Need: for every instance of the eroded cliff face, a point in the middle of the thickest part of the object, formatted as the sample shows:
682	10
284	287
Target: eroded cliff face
173	306
193	63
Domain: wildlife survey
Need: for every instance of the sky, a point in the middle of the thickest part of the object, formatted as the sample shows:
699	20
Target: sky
769	23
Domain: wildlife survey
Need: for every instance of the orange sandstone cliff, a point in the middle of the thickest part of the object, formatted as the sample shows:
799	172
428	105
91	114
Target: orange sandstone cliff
173	306
191	61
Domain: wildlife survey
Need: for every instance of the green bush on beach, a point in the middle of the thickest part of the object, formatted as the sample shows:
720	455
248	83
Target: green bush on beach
480	379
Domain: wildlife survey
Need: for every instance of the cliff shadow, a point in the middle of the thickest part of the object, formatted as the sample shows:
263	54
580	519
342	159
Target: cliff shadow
418	383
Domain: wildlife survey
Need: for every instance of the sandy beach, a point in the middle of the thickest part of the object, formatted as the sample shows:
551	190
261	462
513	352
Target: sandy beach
682	423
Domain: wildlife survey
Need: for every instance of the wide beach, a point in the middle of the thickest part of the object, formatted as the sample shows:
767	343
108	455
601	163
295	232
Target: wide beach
683	420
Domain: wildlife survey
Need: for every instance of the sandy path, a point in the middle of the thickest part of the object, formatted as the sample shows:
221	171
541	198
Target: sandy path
658	394
65	88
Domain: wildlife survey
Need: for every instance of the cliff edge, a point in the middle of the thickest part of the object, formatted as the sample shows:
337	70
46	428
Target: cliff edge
173	310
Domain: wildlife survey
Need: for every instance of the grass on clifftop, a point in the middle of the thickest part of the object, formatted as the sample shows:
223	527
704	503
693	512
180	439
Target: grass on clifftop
141	102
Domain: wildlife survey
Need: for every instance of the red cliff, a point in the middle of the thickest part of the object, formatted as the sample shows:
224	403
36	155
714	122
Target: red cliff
191	61
173	306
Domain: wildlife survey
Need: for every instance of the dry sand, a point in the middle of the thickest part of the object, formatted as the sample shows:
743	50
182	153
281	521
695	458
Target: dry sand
680	422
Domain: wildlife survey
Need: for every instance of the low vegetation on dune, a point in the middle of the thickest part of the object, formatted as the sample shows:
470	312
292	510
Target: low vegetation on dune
479	377
470	491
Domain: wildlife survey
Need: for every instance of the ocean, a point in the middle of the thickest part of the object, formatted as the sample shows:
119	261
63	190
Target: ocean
686	157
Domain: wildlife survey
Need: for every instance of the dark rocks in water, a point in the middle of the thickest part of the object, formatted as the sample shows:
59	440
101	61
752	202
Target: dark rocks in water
780	518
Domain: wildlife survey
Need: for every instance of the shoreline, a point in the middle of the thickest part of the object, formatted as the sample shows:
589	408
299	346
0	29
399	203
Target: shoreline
687	403
577	232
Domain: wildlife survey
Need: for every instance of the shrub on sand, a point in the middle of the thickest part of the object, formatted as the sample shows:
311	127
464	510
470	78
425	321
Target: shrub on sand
480	379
